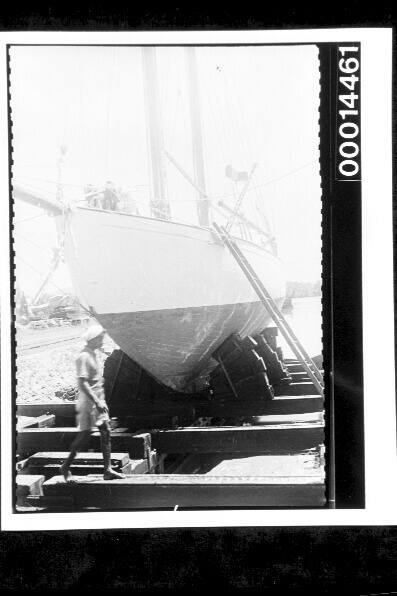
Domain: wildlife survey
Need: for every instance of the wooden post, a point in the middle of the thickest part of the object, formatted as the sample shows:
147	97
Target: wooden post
159	202
197	137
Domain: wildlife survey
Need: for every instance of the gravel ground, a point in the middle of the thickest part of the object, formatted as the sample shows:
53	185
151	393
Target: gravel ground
46	363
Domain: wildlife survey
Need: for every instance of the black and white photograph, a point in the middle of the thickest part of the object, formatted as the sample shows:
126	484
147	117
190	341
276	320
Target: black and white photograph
187	324
168	237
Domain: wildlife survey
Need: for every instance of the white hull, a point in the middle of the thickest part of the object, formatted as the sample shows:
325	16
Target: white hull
167	293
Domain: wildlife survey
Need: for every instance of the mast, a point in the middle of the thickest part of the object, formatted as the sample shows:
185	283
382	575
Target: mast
197	137
159	204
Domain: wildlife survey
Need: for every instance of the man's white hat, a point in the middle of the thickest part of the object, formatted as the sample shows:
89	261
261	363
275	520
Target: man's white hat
93	331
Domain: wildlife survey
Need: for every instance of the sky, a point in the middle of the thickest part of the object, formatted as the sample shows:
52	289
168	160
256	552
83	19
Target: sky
258	105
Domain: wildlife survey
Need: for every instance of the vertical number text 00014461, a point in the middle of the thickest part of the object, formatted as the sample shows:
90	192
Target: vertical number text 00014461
348	160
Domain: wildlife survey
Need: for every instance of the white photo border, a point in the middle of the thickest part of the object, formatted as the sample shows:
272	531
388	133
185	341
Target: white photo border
378	305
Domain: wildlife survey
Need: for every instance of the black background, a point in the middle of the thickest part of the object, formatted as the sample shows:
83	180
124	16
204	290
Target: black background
341	298
271	560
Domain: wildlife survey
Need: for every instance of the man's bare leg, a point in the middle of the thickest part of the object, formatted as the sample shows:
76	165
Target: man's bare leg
81	441
108	472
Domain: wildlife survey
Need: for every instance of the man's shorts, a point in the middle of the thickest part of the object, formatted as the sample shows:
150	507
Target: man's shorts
87	415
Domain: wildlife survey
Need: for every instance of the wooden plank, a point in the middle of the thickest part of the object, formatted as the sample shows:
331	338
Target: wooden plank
41	421
295	365
86	458
29	484
278	405
46	420
30	441
306	388
152	459
26	422
247	439
137	444
282	404
167	491
233	421
94	462
287	418
64	411
41	503
50	470
65	414
299	377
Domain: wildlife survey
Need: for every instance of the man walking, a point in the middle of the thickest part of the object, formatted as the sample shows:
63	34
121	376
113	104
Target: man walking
91	407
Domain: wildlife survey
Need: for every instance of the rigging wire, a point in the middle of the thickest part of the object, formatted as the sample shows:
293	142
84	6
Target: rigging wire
19	221
48	181
274	179
40	273
243	132
213	130
259	196
163	87
43	248
82	130
79	186
173	128
231	99
49	282
220	196
217	127
236	114
222	122
34	165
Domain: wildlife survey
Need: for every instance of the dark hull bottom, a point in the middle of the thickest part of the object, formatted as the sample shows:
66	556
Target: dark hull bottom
175	345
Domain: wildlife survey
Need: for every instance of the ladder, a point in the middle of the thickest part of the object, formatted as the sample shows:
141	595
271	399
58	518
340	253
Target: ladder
272	308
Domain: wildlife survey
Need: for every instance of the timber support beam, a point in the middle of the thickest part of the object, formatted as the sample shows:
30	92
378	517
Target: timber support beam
268	439
154	491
